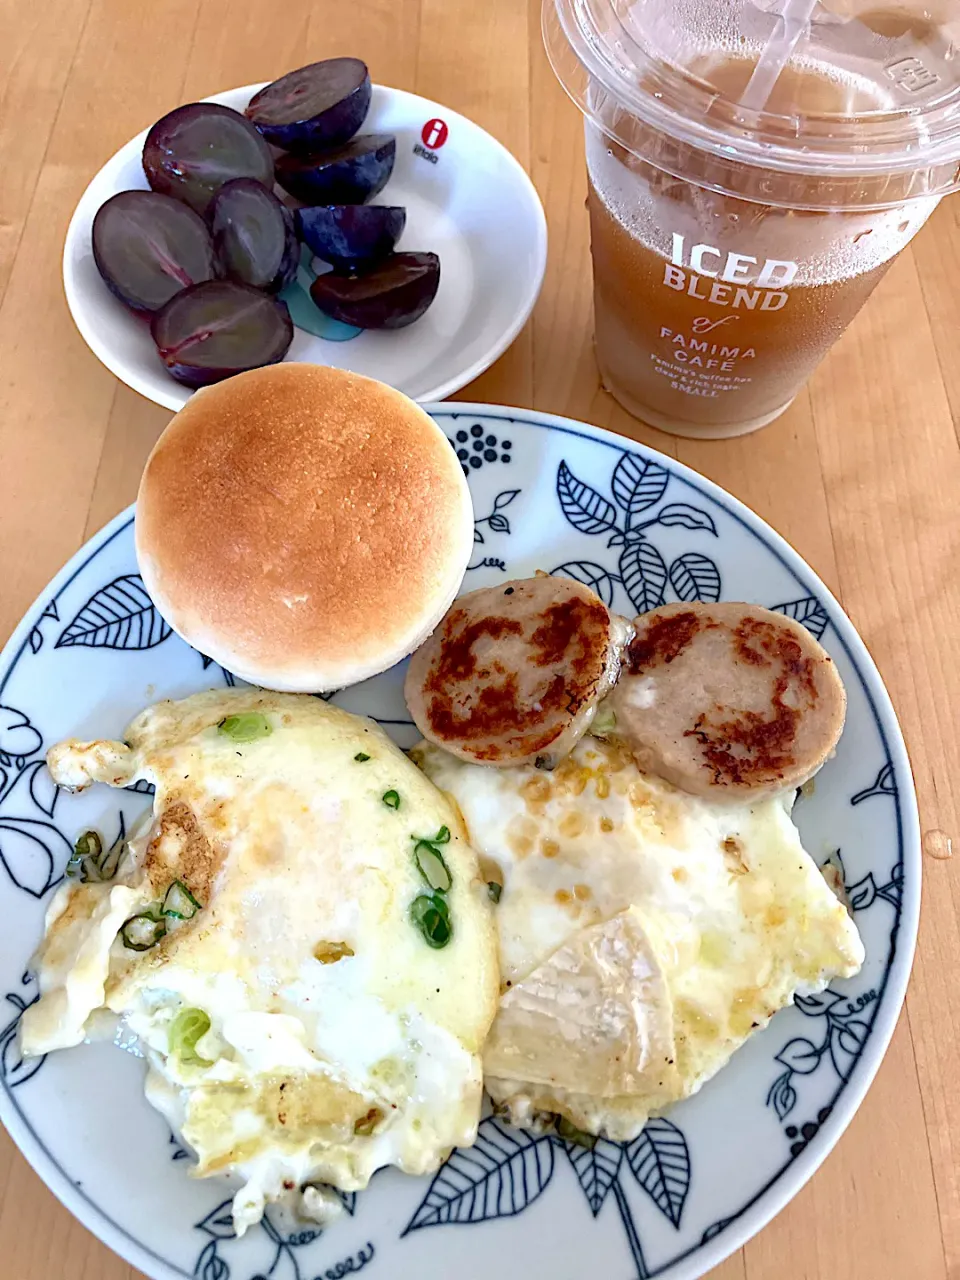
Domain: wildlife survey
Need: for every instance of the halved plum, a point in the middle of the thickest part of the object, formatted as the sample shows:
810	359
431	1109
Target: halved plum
192	151
212	331
321	105
348	175
391	296
254	235
148	247
352	237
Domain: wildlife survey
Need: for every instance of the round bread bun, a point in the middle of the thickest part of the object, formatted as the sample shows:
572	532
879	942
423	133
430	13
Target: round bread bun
305	527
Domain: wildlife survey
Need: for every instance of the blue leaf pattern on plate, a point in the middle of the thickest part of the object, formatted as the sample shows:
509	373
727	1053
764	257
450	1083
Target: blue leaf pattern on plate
695	577
18	737
596	1169
591	575
660	1160
219	1222
498	1177
119	616
683	515
587	510
808	611
799	1055
43	790
30	851
644	575
210	1266
885	784
638	483
782	1096
16	1070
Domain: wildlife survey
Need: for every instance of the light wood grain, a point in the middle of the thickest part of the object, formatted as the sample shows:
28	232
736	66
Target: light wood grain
862	476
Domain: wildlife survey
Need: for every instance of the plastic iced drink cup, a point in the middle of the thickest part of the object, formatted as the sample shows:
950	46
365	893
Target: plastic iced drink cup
754	168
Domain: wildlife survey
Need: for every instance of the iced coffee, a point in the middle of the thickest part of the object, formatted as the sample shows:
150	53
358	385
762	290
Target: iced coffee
733	245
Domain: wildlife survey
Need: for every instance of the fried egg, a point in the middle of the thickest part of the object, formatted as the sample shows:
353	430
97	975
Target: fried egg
644	933
313	1004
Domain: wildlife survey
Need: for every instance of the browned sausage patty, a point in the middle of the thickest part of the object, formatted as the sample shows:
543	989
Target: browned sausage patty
513	673
727	698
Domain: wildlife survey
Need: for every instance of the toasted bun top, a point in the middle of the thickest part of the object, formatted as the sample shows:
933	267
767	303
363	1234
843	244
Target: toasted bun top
304	526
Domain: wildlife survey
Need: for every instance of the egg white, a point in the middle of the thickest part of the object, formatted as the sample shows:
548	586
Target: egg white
339	1040
644	933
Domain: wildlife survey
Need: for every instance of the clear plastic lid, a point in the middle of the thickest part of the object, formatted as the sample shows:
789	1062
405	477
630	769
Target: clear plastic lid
863	97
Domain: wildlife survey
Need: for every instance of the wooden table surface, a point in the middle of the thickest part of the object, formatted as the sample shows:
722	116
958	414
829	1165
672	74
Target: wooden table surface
862	475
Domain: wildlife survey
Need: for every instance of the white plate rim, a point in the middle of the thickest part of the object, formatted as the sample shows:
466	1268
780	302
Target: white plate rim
771	1199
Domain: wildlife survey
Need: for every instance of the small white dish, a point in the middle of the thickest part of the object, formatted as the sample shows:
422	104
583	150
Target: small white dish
467	200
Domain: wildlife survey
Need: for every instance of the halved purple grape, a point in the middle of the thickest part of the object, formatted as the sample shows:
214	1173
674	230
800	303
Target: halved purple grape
348	175
391	296
212	331
322	105
254	235
148	247
352	237
192	151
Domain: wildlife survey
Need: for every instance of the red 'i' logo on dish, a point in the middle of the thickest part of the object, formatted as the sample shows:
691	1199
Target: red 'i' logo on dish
434	134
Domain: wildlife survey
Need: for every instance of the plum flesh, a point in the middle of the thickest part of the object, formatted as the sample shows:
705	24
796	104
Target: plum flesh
321	105
192	151
391	296
211	331
148	247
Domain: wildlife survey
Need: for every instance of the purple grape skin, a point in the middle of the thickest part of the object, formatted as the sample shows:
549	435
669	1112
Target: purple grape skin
192	151
181	252
394	294
348	175
209	332
320	105
254	235
351	237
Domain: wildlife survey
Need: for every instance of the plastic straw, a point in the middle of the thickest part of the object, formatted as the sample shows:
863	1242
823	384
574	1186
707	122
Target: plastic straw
794	23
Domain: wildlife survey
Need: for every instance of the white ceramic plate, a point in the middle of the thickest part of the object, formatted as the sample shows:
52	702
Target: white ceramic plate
467	199
552	494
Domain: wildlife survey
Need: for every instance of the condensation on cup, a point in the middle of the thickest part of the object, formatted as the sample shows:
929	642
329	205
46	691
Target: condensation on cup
754	168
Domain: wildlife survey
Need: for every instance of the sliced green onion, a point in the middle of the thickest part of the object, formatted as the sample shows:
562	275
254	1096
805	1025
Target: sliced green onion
391	799
142	932
88	862
442	836
246	727
185	1030
494	890
604	722
83	862
179	903
431	866
570	1133
89	845
79	868
430	913
361	757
